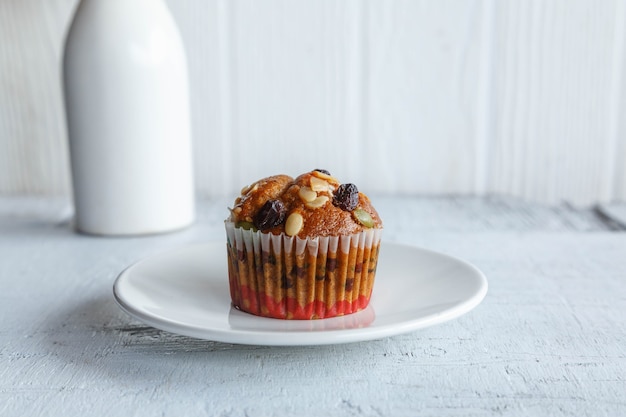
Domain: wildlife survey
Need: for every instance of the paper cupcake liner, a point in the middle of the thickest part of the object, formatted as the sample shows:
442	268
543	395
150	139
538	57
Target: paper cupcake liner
292	278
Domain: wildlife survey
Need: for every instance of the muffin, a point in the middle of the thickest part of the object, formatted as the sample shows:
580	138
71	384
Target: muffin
303	248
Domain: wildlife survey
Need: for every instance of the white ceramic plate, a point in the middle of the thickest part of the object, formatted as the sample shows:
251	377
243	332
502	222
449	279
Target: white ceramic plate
186	292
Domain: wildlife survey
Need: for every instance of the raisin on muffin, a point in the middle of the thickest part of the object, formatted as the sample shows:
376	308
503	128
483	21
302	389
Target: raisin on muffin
303	248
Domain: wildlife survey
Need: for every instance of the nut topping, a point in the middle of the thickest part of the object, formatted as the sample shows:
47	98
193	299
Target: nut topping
306	194
323	171
318	202
318	184
294	224
363	217
323	174
252	187
246	226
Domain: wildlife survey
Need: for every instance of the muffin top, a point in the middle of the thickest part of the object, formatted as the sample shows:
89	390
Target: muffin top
313	204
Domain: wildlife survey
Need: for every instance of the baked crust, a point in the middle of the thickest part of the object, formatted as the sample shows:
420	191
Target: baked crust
320	217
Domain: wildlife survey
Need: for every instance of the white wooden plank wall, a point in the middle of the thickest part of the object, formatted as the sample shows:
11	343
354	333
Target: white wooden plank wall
526	98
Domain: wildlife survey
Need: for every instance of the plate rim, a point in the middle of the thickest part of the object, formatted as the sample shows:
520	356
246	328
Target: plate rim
299	337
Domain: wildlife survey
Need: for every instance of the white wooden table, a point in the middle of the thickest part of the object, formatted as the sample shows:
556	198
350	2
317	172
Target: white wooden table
549	338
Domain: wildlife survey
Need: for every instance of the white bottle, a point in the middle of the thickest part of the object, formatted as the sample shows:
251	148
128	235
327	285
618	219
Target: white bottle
127	102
